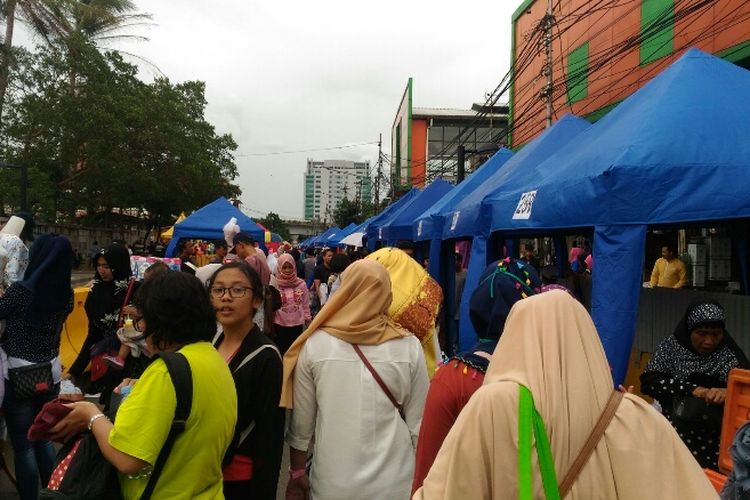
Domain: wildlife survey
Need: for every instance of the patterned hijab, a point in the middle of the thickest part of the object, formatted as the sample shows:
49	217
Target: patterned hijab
677	356
288	280
416	299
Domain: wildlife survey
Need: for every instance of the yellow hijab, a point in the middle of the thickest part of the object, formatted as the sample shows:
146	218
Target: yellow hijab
356	313
550	345
416	299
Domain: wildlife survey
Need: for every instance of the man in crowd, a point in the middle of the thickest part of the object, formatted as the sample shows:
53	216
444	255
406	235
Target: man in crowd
187	250
323	271
220	250
529	258
309	264
669	271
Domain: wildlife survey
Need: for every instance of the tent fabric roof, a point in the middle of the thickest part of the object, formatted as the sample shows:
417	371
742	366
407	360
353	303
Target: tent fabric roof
335	238
398	226
674	151
465	219
208	223
373	228
429	224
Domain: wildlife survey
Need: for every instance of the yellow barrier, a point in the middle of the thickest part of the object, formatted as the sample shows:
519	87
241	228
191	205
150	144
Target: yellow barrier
74	330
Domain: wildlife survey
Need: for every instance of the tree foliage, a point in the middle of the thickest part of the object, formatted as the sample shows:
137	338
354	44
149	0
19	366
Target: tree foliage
349	211
108	140
275	224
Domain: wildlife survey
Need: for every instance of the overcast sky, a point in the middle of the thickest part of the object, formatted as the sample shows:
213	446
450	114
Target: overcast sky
301	75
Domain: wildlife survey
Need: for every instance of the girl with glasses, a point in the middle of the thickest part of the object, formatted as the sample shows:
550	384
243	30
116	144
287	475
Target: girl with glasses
253	460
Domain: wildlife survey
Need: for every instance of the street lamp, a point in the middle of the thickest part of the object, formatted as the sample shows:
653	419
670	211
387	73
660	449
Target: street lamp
24	182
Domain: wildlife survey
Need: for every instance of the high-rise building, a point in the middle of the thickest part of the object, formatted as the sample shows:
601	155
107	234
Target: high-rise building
330	181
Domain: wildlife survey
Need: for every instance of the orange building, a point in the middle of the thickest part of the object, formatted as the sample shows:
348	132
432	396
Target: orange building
604	50
424	140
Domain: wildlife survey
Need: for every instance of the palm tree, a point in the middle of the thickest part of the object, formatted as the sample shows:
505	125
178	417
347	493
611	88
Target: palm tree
68	22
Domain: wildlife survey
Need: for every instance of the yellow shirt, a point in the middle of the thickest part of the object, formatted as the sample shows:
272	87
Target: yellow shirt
668	273
193	469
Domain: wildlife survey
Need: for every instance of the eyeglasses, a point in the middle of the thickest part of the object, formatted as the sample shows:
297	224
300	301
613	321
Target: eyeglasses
236	292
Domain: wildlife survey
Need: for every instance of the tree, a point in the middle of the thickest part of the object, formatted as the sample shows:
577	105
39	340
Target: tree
275	224
70	23
116	142
349	211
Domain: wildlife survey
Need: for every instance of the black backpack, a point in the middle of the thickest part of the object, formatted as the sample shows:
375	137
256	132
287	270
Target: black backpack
89	476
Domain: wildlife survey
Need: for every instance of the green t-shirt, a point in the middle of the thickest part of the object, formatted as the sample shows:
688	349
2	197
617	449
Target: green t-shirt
193	469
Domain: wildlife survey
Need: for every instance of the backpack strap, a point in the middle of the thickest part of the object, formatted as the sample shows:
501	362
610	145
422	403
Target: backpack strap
247	430
182	379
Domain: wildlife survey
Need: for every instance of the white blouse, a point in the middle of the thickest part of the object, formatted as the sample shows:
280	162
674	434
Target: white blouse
363	449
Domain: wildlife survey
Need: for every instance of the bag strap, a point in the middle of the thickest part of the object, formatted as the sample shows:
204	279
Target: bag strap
588	448
247	430
182	378
379	380
530	422
121	316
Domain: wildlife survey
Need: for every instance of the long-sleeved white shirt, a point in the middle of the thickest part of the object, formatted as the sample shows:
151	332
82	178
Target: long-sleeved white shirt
363	449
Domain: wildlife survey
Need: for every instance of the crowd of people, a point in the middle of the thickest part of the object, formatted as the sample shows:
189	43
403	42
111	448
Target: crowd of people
338	356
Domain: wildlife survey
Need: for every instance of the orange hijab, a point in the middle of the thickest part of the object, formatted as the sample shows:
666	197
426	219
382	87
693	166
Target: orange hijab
357	313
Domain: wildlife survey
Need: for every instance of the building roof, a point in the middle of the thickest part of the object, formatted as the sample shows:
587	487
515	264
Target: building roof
456	113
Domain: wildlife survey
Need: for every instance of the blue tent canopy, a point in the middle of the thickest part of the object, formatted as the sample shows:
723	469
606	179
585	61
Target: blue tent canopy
674	151
683	134
334	239
208	223
429	224
373	228
398	226
321	239
465	219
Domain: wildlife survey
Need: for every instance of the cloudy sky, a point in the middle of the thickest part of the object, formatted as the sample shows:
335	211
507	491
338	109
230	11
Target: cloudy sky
301	75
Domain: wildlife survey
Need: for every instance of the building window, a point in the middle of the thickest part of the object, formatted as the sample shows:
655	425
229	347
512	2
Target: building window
577	78
657	29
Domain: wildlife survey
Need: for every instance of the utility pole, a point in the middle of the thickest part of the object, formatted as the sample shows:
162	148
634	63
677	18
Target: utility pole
548	21
379	174
461	161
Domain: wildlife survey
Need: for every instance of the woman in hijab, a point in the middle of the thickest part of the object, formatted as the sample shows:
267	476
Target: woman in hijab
364	432
688	377
501	285
416	300
103	304
34	310
294	312
550	359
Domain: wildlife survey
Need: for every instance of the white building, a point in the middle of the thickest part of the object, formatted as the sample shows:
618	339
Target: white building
330	181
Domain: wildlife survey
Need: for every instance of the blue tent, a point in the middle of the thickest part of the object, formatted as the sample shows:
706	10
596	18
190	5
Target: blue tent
321	239
429	224
373	232
208	223
398	225
334	239
674	151
465	219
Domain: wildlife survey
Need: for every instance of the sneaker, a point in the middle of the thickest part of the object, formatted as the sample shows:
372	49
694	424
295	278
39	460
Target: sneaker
115	362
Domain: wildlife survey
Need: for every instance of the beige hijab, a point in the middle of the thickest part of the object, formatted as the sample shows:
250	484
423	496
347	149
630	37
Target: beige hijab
356	313
550	345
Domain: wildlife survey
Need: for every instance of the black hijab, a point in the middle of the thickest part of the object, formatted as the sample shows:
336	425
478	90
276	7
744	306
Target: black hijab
48	274
106	297
707	311
501	285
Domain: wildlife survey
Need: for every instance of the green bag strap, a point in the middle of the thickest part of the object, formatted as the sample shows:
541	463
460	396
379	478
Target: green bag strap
530	421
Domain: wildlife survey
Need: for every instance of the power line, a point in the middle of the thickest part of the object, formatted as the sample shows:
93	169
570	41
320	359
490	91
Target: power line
332	148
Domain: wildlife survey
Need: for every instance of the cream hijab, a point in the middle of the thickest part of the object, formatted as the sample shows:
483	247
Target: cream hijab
550	345
356	313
